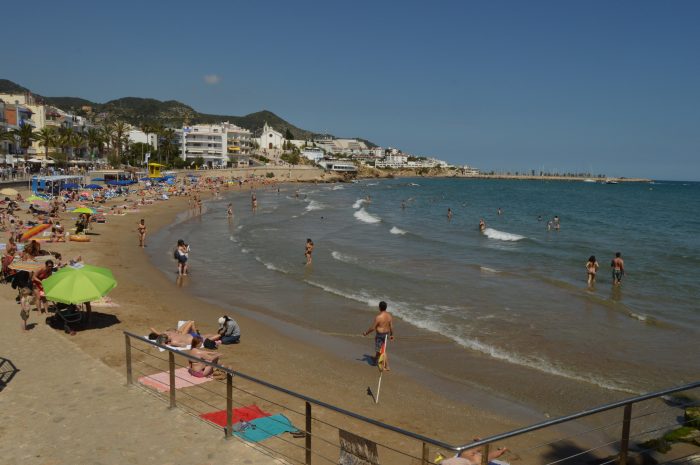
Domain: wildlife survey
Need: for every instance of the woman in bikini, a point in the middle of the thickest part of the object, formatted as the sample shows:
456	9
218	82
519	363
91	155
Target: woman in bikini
141	228
591	268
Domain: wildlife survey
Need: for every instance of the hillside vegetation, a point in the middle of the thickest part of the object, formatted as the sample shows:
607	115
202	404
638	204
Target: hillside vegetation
136	111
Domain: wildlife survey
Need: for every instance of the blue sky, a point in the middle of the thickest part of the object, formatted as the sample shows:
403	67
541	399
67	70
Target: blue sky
610	87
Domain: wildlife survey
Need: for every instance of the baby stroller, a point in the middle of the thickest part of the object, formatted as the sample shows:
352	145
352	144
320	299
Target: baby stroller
66	314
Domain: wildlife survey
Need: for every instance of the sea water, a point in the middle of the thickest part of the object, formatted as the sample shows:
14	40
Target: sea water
478	305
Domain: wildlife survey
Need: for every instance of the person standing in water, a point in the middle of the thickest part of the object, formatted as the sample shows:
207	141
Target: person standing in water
482	224
555	223
618	269
309	250
500	212
449	214
254	202
229	211
591	268
141	228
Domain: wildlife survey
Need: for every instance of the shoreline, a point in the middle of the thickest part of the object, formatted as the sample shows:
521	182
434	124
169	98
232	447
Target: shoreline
146	297
272	349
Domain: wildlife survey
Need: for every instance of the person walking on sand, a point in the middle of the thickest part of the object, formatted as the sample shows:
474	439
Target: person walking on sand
141	228
383	328
591	268
309	250
618	269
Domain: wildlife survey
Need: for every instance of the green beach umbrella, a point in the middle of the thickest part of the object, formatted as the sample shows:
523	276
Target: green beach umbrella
74	285
87	210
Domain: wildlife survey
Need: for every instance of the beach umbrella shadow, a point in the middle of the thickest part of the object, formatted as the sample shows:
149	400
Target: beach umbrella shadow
8	370
98	320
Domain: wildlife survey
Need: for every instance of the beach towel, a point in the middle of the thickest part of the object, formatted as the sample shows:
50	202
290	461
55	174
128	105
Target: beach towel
266	427
161	381
247	413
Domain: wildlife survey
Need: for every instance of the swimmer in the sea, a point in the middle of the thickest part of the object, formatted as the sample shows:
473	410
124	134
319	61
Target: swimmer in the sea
482	224
449	214
309	250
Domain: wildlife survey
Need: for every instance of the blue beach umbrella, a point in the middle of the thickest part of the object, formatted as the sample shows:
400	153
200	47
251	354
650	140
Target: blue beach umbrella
93	186
98	179
71	185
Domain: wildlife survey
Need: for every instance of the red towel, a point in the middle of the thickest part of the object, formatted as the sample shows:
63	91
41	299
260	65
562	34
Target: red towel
248	413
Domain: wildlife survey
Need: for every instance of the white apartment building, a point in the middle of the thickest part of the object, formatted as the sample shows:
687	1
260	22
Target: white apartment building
138	136
207	141
392	161
239	141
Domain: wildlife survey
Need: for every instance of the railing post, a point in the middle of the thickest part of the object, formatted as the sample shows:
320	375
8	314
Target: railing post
129	378
229	405
308	433
171	362
485	455
425	460
625	441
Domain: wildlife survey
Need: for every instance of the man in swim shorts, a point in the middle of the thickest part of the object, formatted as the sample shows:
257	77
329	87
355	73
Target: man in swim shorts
383	326
618	269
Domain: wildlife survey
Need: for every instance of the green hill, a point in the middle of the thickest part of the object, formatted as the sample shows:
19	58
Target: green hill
136	111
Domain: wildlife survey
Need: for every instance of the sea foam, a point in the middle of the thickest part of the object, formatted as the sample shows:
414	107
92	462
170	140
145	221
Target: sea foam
341	257
314	205
395	230
366	217
358	203
502	236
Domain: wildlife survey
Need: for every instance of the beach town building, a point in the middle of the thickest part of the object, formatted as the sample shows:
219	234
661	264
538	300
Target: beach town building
137	136
239	143
341	166
392	161
313	153
270	139
341	146
205	141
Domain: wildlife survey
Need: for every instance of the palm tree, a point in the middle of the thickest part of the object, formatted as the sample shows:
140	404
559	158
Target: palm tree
64	139
47	138
168	138
95	140
76	141
119	131
25	134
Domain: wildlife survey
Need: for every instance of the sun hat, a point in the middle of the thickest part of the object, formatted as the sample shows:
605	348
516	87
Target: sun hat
222	320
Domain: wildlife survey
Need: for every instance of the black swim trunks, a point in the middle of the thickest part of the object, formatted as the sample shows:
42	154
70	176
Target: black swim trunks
379	339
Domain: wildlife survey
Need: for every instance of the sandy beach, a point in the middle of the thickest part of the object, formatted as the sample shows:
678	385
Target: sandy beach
145	297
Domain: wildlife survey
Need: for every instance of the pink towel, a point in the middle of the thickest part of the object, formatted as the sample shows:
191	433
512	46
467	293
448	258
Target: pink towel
161	381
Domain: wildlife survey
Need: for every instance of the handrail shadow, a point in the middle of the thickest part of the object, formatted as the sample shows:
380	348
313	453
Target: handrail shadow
8	370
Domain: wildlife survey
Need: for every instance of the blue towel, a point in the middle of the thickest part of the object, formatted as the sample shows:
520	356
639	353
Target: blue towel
266	427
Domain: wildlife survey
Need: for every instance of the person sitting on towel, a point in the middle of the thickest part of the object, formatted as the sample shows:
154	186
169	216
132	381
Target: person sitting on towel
199	369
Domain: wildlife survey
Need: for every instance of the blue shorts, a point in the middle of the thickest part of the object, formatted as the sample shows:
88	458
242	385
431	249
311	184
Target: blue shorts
379	339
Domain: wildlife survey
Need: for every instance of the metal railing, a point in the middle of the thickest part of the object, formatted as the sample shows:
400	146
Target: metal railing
422	456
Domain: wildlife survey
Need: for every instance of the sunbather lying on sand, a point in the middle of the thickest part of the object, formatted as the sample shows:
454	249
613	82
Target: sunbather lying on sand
181	337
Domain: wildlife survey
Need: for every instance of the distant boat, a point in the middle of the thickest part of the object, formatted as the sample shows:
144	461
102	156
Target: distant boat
611	181
589	180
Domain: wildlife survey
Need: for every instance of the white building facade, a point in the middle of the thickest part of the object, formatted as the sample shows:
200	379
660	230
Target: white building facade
207	141
270	139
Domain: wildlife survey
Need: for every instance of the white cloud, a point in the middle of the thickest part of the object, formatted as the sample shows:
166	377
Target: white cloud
212	79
